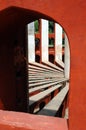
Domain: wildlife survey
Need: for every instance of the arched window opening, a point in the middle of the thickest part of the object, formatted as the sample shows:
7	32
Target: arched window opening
49	67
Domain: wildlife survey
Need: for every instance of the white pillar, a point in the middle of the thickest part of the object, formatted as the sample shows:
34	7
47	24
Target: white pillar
58	42
67	58
31	43
44	40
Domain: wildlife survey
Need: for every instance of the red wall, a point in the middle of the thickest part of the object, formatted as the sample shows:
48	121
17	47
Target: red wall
22	121
13	89
7	84
72	16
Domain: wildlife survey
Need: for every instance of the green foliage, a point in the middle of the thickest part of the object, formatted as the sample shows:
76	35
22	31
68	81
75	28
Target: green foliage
50	29
51	26
36	24
51	42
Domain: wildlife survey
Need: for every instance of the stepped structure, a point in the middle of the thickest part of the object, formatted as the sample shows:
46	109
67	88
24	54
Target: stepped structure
14	96
49	74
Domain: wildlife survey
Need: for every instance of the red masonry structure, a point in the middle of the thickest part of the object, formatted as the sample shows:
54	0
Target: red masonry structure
14	15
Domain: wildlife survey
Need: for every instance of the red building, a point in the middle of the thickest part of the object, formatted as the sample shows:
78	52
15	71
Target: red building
14	16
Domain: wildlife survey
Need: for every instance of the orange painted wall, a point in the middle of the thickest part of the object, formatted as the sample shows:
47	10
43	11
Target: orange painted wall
72	16
22	121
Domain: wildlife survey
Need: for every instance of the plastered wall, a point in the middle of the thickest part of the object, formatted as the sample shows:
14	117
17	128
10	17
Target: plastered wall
72	16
